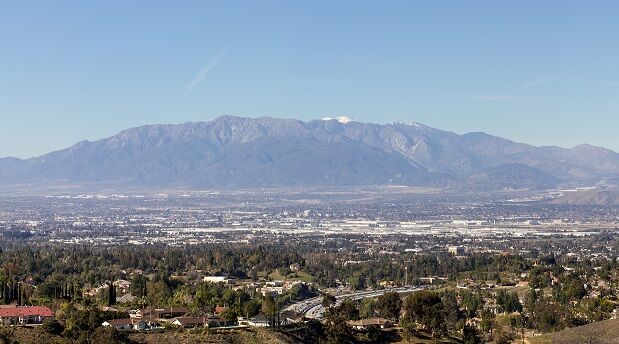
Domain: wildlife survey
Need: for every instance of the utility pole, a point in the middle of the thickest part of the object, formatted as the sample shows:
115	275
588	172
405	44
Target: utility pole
406	275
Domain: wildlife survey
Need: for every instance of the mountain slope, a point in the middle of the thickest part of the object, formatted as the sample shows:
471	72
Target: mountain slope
234	152
512	177
608	197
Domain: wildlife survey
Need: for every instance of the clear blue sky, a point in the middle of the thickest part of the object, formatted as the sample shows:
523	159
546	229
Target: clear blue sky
541	72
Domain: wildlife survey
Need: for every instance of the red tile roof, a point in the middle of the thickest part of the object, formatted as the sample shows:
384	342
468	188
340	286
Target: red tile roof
26	311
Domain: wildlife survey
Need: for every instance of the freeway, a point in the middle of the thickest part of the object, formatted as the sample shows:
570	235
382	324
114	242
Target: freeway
312	308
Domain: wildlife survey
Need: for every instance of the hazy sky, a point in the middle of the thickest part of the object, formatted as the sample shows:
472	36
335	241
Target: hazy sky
541	72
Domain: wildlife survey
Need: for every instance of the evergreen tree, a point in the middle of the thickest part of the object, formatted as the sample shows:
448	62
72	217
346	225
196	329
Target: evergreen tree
111	299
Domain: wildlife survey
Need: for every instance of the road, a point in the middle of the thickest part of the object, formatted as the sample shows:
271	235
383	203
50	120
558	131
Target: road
313	309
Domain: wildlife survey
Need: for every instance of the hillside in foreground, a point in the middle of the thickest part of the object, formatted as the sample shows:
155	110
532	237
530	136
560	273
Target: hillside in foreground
246	336
601	332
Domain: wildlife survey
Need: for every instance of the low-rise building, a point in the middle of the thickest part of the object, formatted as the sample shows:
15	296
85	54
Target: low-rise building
127	298
190	322
161	313
129	324
120	324
457	250
219	279
25	315
258	321
365	324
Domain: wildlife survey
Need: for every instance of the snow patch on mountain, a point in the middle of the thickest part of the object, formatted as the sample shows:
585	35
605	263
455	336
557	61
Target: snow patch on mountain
341	119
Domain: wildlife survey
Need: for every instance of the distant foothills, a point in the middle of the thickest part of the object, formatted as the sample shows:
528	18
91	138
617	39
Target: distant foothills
234	152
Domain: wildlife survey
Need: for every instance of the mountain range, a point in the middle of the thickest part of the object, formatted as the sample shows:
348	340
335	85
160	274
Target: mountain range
234	152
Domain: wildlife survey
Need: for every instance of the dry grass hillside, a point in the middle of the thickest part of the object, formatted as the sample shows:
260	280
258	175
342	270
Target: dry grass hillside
602	332
248	336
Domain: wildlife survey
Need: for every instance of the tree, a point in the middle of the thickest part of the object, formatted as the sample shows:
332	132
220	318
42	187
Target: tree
470	335
269	309
7	336
158	292
505	336
408	328
575	290
229	314
487	321
531	299
550	316
368	308
471	302
389	306
453	316
284	271
509	302
301	291
111	295
328	300
251	308
228	297
81	323
357	281
347	310
375	334
337	331
426	308
52	326
138	286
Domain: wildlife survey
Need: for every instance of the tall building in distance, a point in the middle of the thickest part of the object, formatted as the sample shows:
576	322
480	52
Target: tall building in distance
457	250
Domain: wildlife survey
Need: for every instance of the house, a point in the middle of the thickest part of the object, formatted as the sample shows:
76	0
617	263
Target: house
129	324
24	315
275	283
273	291
219	279
216	322
457	250
127	298
493	308
215	279
191	322
388	284
142	325
162	313
258	321
120	324
95	291
108	309
122	285
365	324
